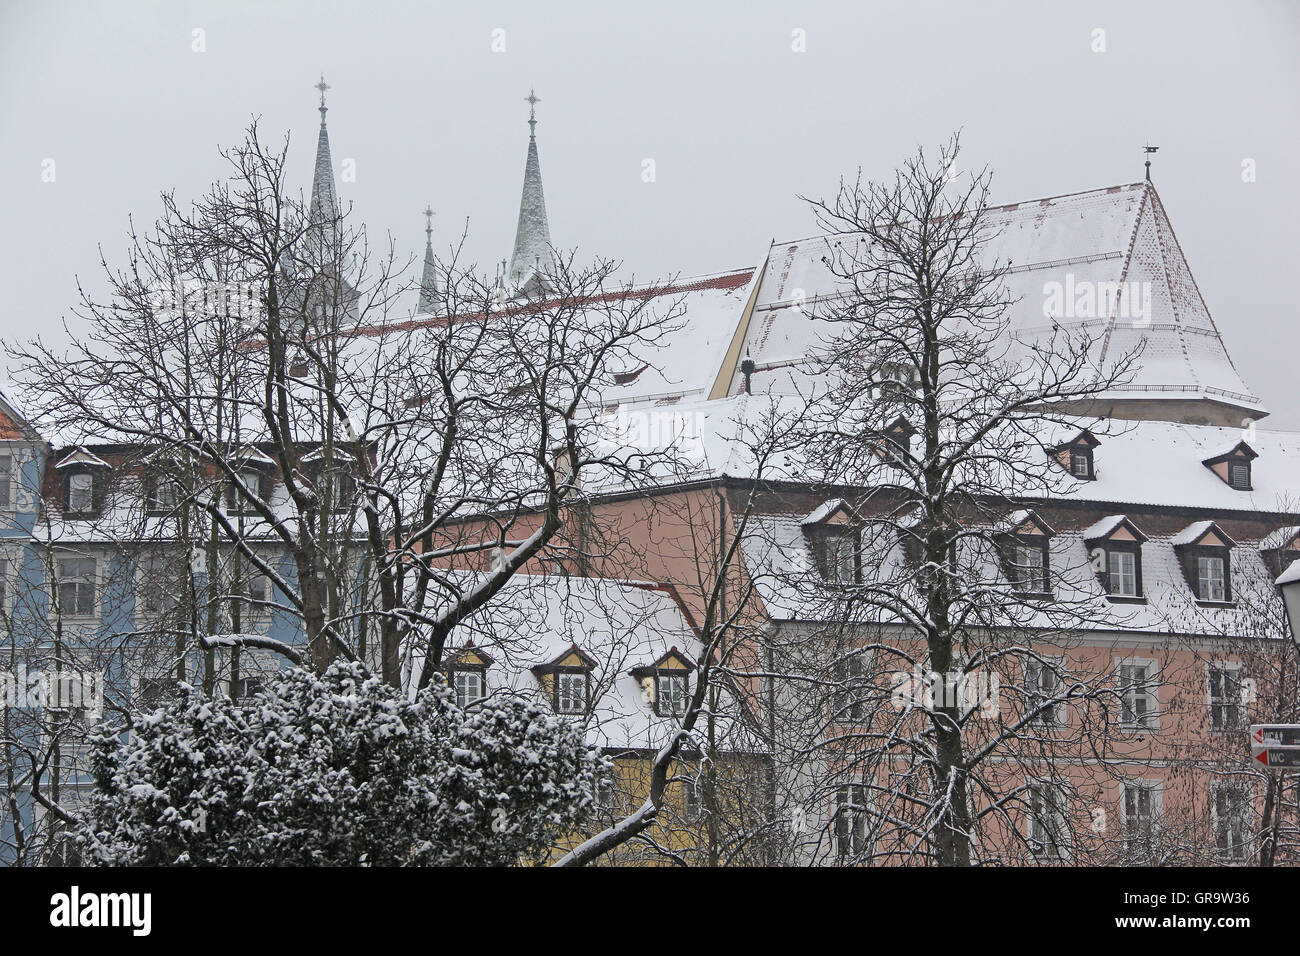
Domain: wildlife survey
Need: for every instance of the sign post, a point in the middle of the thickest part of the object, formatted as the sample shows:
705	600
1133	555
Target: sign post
1275	745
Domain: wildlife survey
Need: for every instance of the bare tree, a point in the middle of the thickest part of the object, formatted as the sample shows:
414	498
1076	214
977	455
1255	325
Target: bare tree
932	429
253	354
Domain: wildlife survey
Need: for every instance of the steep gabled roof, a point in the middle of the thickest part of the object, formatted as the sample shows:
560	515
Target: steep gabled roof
1117	238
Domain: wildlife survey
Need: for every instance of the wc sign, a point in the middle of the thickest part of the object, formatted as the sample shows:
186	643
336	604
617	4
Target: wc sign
1275	745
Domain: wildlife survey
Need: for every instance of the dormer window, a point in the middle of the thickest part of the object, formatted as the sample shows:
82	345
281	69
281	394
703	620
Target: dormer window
1025	553
1205	552
467	674
668	682
257	482
82	476
898	442
569	679
1076	455
1280	548
1239	475
162	493
79	490
1081	463
835	537
1233	466
1115	546
670	695
571	691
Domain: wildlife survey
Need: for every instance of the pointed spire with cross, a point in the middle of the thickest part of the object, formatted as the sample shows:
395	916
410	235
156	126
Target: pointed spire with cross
430	298
322	86
532	99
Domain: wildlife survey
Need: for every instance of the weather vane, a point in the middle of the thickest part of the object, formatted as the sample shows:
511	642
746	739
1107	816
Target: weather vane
1149	150
322	86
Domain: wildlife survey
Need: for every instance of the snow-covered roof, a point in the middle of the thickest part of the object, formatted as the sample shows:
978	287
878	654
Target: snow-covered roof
1102	527
620	625
1088	240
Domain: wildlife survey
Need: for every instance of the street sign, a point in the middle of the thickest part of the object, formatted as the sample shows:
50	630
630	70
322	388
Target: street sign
1274	736
1278	758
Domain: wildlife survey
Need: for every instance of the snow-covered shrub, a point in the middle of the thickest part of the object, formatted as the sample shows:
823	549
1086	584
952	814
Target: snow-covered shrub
339	769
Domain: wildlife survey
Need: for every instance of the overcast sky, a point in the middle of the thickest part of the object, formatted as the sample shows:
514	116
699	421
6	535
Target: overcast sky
736	122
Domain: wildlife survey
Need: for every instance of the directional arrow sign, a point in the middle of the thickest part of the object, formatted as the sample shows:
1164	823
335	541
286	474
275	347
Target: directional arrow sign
1278	758
1273	736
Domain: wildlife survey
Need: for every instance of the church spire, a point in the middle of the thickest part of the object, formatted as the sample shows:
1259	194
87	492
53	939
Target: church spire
533	234
324	197
430	298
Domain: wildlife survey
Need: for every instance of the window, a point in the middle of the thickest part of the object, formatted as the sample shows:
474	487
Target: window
1225	696
1239	475
1028	567
4	585
1211	584
1123	573
6	479
469	686
571	688
670	694
79	492
257	483
1048	821
77	586
838	555
163	494
1138	702
1141	812
1042	684
1081	463
690	800
850	695
160	585
247	687
259	588
1229	811
851	817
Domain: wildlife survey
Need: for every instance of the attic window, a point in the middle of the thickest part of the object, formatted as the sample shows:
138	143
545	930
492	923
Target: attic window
838	550
1076	455
1205	553
79	492
668	681
898	442
1025	554
1239	475
467	674
572	690
1233	466
1081	463
670	693
162	493
469	683
1027	565
1115	546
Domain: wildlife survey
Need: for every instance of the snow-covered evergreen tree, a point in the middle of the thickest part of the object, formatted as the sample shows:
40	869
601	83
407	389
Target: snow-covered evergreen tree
338	769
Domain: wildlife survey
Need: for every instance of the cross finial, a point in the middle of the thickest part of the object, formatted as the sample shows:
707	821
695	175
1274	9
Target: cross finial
322	86
1148	150
532	99
428	229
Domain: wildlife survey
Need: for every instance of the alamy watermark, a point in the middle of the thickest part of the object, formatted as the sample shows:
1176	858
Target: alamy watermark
52	690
